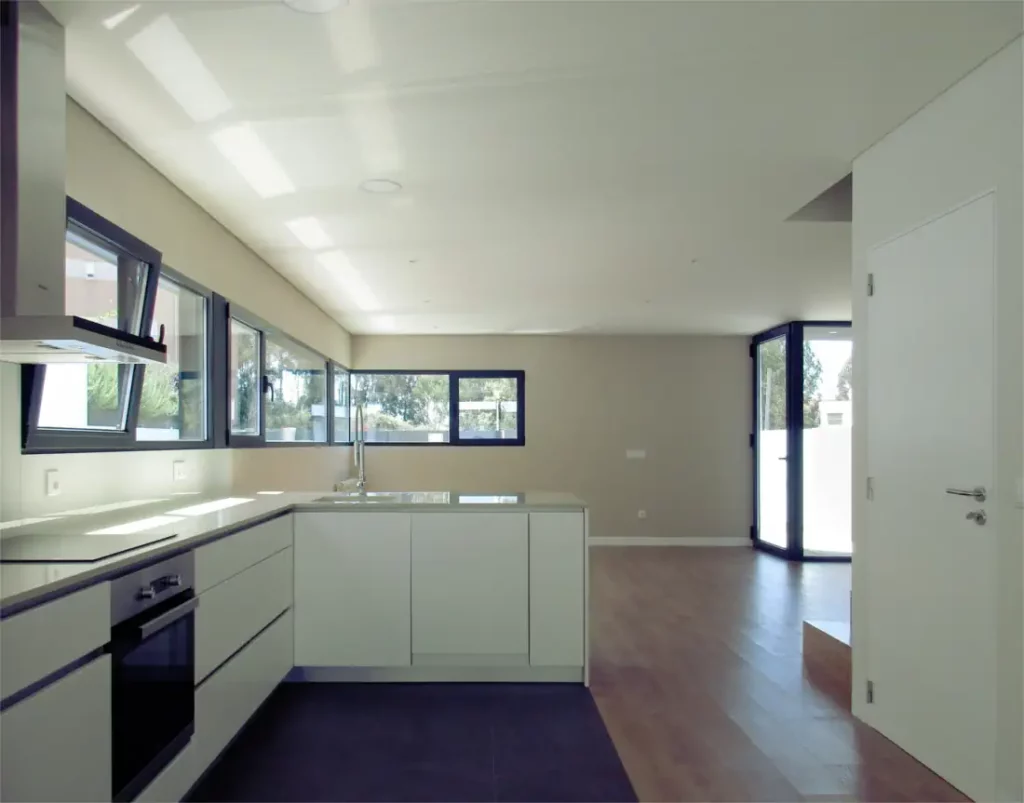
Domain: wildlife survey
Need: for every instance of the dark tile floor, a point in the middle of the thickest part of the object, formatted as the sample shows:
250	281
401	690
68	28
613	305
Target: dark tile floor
436	742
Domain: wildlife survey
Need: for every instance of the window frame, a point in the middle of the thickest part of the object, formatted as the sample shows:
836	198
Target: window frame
263	329
333	367
453	405
36	439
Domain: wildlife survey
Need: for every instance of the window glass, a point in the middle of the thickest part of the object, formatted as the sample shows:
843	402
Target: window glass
297	397
100	284
488	408
244	378
403	408
341	406
107	288
173	404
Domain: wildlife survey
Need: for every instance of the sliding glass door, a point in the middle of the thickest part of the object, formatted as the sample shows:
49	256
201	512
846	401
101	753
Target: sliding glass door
801	439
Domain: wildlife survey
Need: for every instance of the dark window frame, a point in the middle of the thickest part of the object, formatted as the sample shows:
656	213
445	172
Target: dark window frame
453	405
49	440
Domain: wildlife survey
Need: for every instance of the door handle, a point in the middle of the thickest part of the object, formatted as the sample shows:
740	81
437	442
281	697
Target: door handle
978	493
167	617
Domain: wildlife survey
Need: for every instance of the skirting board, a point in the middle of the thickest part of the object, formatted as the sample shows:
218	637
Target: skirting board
616	540
436	674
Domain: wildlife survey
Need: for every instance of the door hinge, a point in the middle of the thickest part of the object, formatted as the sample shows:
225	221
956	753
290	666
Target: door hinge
871	691
871	488
751	440
871	284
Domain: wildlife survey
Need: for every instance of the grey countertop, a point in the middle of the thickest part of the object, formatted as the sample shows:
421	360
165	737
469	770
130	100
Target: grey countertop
192	521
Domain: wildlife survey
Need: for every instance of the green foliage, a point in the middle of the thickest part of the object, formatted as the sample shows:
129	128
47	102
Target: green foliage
409	401
772	385
843	385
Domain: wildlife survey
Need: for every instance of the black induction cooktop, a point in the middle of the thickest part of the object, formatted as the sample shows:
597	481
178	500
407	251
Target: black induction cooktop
72	548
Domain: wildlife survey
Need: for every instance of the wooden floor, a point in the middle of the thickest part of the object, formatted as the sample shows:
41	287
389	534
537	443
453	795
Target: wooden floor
696	669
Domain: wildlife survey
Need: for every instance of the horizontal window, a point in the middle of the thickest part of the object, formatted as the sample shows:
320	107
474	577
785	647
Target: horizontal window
458	407
297	392
244	375
403	408
173	402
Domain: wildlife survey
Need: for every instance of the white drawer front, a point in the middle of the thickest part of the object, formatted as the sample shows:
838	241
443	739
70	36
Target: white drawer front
42	640
226	701
56	743
234	611
225	558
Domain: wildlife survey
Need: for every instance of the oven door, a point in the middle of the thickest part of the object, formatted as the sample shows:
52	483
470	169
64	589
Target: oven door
153	691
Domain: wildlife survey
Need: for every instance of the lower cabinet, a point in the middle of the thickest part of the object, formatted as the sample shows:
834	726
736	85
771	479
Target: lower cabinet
470	588
224	703
557	589
56	744
352	589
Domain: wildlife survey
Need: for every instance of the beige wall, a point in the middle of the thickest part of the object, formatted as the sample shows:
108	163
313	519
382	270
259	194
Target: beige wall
685	400
965	143
106	175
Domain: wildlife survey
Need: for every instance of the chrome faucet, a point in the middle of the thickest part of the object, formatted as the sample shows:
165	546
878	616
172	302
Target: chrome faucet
359	449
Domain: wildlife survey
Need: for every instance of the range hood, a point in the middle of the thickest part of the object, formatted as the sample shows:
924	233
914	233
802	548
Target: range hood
34	324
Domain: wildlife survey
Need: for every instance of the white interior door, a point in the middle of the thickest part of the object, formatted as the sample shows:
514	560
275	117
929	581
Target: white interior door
931	569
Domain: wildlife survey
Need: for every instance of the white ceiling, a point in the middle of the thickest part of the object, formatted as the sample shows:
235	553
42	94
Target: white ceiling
567	166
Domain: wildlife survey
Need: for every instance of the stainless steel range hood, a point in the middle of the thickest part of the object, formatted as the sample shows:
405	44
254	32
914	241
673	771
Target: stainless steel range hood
34	324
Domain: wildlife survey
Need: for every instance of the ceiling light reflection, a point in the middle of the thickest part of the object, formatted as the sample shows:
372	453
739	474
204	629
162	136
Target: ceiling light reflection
114	20
141	525
337	264
310	232
209	507
241	146
166	53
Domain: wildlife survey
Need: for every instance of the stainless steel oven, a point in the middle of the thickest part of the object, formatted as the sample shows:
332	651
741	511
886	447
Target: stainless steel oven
153	648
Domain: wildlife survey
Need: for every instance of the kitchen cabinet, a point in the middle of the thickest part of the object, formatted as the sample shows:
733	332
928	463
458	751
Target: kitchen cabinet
44	639
470	595
232	612
55	745
557	589
352	592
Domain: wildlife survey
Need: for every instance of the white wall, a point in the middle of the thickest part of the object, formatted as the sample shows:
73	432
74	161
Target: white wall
966	142
106	175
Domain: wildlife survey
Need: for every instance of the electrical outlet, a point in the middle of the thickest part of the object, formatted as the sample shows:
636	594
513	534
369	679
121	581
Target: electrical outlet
178	472
641	514
52	482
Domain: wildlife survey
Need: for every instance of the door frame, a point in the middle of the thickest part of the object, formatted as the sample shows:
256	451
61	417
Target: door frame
793	332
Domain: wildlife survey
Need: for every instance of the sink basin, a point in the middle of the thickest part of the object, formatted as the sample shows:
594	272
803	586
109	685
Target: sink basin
357	499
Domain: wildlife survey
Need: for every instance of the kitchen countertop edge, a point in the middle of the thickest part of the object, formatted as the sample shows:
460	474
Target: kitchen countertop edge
117	565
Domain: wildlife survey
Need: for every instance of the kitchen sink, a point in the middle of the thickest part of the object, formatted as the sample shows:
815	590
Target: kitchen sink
358	499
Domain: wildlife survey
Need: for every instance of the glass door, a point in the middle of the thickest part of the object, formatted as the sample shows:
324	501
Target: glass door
771	444
827	440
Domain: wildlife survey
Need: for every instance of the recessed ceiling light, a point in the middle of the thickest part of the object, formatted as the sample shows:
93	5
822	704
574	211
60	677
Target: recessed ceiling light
833	332
312	6
380	185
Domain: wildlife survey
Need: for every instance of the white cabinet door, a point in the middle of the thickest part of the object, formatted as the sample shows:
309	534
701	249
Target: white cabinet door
470	587
352	589
556	589
56	744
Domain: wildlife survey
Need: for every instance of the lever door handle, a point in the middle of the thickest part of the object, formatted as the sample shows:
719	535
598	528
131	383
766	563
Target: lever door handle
978	494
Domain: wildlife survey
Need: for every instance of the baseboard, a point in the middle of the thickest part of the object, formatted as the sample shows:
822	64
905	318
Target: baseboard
625	540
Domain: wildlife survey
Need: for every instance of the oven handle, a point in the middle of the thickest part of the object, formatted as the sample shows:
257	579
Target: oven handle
164	619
